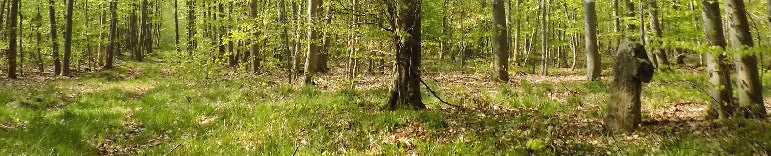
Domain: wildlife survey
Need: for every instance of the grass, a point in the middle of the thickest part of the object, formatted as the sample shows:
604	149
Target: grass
166	107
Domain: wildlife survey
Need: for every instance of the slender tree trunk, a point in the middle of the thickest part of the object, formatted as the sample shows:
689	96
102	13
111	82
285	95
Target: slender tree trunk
54	42
661	54
721	105
2	13
113	36
21	36
39	39
296	48
67	39
500	43
255	66
748	79
176	25
313	38
517	33
545	37
286	54
144	32
191	30
406	90
11	52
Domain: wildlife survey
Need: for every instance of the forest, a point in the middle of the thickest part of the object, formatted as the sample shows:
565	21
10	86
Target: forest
385	77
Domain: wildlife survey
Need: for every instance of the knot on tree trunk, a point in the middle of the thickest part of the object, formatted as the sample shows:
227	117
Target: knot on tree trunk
632	67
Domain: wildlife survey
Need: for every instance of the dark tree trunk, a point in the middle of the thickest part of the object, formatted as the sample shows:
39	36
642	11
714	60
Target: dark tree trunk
191	30
11	52
748	79
113	36
500	43
406	89
255	66
54	42
176	25
721	106
661	54
67	39
144	32
39	39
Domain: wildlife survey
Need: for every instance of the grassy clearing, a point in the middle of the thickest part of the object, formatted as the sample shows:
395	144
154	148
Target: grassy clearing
179	108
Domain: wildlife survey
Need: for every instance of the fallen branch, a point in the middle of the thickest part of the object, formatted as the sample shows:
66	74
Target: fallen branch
437	96
172	150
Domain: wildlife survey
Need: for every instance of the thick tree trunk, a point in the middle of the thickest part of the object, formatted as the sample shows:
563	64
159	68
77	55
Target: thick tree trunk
500	43
67	39
11	52
748	79
314	6
593	64
631	69
113	36
721	106
406	91
54	42
661	54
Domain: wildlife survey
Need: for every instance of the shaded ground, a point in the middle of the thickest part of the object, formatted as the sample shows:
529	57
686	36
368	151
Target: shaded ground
179	108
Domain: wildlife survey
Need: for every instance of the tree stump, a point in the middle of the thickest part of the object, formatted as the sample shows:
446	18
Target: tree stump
632	68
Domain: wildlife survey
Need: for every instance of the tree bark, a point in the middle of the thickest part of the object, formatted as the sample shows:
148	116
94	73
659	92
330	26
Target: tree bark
255	56
67	39
632	67
406	89
593	64
176	25
54	42
144	32
661	54
191	28
748	79
39	39
113	36
500	43
314	6
721	106
11	52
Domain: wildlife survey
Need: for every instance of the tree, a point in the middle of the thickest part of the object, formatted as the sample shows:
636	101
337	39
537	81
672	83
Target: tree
176	25
313	38
721	105
113	36
145	42
67	39
500	41
407	24
191	31
54	42
748	80
661	54
254	49
11	52
593	64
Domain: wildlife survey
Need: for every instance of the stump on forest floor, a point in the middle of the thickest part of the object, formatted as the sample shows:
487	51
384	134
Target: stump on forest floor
632	67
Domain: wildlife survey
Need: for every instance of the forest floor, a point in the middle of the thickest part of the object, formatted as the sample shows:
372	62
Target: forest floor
169	106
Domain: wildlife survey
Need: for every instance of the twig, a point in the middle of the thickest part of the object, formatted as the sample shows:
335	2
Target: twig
295	150
172	150
437	97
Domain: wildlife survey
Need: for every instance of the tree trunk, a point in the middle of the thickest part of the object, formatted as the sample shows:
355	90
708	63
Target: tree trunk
631	69
220	31
176	25
517	35
323	58
191	28
544	37
748	79
113	36
11	52
406	89
721	106
21	36
255	56
286	54
54	42
661	54
67	39
500	43
39	39
313	38
232	57
144	32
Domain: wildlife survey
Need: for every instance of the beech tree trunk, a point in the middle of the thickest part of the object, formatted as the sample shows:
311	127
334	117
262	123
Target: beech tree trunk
593	64
191	30
67	39
721	106
406	89
11	52
255	57
176	25
661	54
314	6
500	42
748	79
